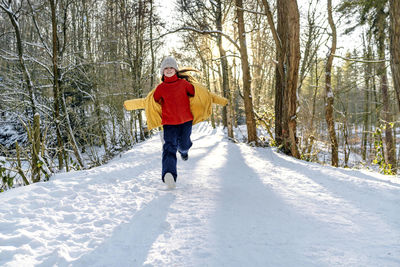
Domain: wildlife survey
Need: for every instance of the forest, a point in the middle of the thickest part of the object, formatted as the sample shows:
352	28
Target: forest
317	79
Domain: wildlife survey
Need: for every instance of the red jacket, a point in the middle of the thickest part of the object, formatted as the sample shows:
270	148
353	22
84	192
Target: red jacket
173	95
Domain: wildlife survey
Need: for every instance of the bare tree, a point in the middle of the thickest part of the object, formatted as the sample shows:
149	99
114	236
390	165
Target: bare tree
367	79
293	59
248	100
286	36
387	117
7	7
225	74
204	17
329	97
59	101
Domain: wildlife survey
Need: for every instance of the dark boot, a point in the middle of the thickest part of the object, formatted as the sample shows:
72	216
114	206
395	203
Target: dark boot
185	157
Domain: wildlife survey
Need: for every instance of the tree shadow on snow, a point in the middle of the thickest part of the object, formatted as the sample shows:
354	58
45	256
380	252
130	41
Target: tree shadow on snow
350	185
131	242
251	221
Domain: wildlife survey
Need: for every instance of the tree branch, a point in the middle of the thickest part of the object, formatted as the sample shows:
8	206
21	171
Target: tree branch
204	32
271	23
360	60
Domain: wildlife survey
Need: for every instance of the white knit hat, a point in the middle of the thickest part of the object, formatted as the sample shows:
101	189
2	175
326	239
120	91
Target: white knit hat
168	62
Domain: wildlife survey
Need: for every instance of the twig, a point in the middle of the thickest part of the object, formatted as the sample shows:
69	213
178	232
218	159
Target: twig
360	61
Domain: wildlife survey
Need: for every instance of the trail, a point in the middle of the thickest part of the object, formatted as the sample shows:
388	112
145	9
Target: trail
234	205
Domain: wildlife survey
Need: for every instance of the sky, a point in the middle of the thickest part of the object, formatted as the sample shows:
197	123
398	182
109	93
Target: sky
168	13
346	42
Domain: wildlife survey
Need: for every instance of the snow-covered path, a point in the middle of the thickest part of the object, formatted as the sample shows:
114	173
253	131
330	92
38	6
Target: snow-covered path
234	206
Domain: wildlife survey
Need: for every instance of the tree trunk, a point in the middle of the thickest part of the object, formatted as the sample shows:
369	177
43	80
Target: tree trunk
311	137
151	46
35	140
20	51
280	76
19	164
225	73
329	97
214	117
279	69
138	62
395	46
71	135
387	117
346	146
56	86
286	37
366	115
134	61
248	102
293	73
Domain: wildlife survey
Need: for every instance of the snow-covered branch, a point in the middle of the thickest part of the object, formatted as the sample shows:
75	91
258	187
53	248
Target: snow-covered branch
9	58
32	59
38	30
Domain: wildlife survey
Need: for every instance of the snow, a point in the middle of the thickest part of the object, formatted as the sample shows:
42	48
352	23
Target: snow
234	205
9	135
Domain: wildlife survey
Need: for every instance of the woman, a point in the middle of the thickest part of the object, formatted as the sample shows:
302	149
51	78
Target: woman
177	103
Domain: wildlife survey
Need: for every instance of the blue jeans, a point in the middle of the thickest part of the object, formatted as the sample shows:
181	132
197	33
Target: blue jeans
177	138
